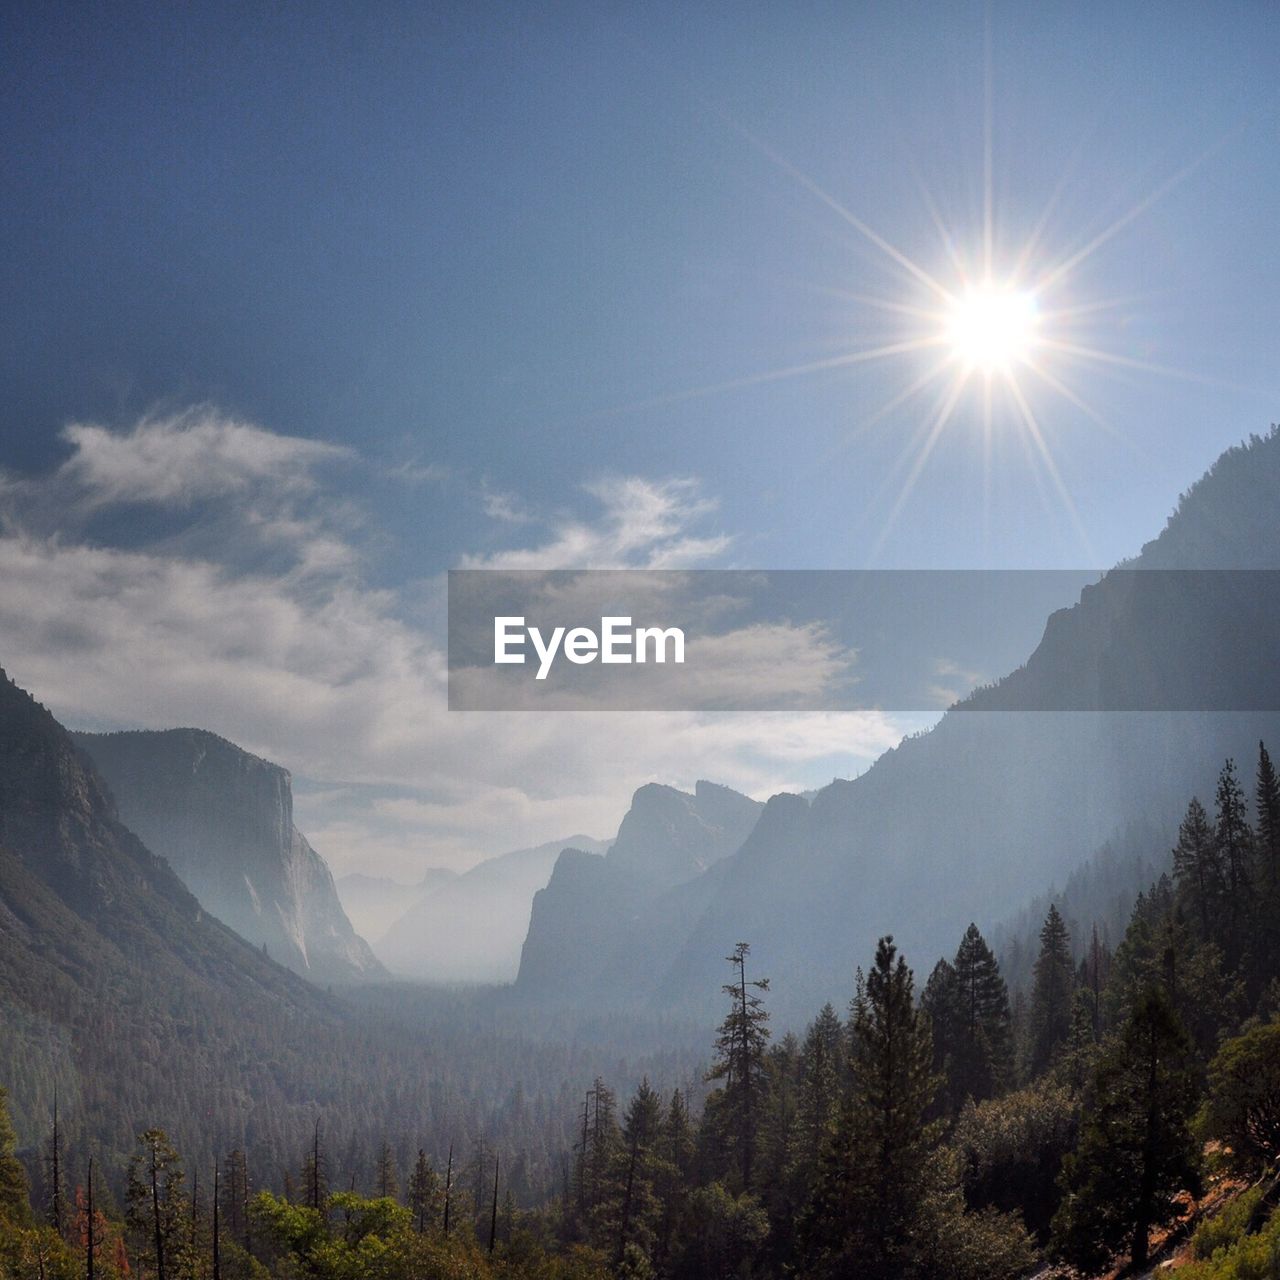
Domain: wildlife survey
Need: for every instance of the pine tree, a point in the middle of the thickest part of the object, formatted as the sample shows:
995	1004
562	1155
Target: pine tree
864	1216
424	1193
635	1208
1235	851
55	1176
1267	810
235	1201
15	1204
1051	995
674	1172
1135	1151
740	1048
940	1001
315	1173
388	1173
1094	971
156	1205
1197	870
982	1058
819	1087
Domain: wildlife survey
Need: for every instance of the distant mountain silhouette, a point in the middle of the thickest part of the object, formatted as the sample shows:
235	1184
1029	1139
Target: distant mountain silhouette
970	820
374	903
224	820
469	928
667	839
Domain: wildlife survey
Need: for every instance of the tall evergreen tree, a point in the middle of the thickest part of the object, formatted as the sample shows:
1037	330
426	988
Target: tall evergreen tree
1235	852
1051	995
940	1001
55	1176
865	1214
1135	1152
982	1058
388	1181
632	1215
315	1172
1267	841
235	1200
819	1099
1095	969
424	1193
1197	870
15	1204
740	1049
674	1172
156	1206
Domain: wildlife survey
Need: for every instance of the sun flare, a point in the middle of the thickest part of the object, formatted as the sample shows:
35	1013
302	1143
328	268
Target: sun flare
990	329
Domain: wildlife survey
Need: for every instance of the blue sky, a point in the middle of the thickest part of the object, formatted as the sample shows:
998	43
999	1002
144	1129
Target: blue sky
484	252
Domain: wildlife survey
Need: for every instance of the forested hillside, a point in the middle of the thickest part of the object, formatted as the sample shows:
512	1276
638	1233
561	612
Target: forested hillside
946	1129
121	998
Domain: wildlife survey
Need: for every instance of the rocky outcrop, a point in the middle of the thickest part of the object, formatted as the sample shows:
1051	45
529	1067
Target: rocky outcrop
1012	789
584	930
224	820
470	928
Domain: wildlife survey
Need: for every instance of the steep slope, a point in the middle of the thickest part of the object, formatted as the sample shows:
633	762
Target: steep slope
972	819
374	903
106	956
224	820
470	928
667	839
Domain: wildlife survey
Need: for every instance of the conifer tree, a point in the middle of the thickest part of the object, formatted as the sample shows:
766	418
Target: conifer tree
235	1200
940	1001
634	1208
55	1176
1135	1152
673	1174
1267	812
424	1192
1235	851
1197	870
1095	969
156	1206
15	1205
388	1186
864	1216
981	1060
819	1086
1051	995
315	1173
740	1049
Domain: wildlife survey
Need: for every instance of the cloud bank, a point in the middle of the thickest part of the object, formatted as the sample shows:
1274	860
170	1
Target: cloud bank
254	617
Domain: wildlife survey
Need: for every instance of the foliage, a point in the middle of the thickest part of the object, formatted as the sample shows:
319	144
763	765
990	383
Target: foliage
1237	1256
1135	1152
1011	1150
1243	1107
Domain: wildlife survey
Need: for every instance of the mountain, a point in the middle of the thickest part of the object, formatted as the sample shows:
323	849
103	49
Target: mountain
374	903
667	839
120	994
469	929
1004	795
224	820
112	975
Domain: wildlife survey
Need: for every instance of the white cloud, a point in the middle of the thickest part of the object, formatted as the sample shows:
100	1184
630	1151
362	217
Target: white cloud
186	457
298	659
641	525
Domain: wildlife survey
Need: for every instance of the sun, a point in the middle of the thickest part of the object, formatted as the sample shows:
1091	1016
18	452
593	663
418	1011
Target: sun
991	329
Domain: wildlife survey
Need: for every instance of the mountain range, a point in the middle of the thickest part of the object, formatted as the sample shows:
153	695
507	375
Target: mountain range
973	818
469	928
224	821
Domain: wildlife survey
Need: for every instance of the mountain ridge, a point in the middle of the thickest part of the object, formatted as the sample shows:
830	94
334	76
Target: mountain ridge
224	819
